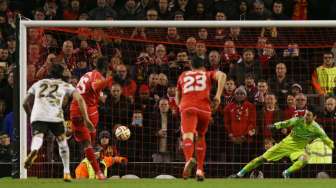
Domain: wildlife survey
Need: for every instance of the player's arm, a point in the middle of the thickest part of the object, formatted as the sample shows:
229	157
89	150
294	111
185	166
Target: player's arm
29	98
325	139
221	78
26	102
83	110
285	124
99	84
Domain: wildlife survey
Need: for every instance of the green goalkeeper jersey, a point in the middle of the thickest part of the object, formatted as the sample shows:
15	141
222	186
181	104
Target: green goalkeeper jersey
303	133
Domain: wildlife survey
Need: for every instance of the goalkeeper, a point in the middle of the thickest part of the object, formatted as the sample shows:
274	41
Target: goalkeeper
304	131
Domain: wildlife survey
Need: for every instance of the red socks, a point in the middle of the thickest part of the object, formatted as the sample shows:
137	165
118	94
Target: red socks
188	149
200	153
89	153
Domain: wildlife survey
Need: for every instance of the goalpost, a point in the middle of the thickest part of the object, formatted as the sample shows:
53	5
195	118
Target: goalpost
25	24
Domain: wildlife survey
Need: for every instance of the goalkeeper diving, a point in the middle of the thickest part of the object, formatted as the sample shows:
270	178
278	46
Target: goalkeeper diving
304	131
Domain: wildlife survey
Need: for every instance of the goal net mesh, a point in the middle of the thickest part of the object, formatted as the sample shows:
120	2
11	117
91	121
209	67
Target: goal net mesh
146	62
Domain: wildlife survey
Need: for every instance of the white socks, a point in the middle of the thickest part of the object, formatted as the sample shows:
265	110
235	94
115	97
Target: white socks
63	149
37	142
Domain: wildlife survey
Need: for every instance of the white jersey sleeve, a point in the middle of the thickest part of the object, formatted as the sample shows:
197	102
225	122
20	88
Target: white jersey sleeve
32	89
48	99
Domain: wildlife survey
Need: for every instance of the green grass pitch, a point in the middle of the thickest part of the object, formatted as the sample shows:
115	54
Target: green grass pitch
177	183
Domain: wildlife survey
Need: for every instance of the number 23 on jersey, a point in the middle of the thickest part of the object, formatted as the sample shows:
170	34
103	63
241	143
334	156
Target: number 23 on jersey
194	82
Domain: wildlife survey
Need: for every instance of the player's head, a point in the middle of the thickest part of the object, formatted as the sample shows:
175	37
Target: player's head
310	115
102	64
197	63
56	71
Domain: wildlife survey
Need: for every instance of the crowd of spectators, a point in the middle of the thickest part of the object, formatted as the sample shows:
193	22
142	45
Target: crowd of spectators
265	84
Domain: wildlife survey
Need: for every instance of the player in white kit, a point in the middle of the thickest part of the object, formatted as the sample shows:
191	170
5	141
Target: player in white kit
47	114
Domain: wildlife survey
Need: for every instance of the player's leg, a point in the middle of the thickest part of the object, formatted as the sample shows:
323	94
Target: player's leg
64	153
39	129
273	154
188	128
90	155
58	130
83	136
94	117
202	127
297	165
250	166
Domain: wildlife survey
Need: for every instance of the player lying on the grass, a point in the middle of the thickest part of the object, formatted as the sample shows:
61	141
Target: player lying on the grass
84	169
304	131
193	98
47	114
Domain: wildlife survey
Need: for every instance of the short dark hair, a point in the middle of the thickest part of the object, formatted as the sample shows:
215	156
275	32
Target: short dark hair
102	64
277	2
230	79
197	62
249	50
56	71
263	80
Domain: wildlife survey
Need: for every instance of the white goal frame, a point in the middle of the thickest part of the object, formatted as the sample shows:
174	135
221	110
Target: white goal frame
24	24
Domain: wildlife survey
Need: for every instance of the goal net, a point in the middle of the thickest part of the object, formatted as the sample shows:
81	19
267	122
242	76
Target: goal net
274	61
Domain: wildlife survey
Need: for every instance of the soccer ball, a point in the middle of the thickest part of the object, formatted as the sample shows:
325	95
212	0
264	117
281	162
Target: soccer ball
122	133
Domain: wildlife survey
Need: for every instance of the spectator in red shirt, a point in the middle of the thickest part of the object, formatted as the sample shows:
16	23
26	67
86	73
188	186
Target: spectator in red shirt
73	12
228	94
301	105
171	91
229	55
240	124
128	85
250	87
268	60
290	107
67	55
269	115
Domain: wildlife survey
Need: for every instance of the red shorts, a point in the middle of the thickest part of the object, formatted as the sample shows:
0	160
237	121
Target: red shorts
195	121
80	131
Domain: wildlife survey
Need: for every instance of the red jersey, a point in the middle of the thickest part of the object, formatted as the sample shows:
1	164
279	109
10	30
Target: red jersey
300	113
239	119
90	86
195	89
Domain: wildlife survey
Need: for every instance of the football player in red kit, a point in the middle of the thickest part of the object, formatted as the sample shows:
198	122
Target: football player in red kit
90	87
193	98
